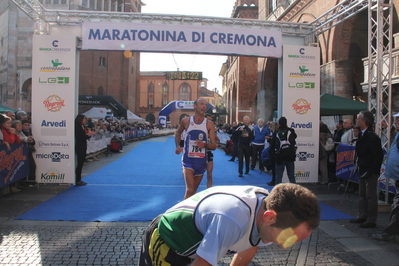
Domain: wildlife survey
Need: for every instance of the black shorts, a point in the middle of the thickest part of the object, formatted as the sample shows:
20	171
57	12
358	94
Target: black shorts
209	156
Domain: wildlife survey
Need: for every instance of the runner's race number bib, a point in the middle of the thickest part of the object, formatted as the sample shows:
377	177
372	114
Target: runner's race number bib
194	151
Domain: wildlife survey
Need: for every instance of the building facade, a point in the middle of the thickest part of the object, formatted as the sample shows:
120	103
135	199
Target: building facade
114	73
158	89
343	66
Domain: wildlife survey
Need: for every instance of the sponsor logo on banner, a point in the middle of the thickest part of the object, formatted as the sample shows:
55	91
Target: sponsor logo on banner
307	144
54	80
54	103
301	85
301	125
185	105
301	174
54	144
52	176
55	47
301	106
303	156
303	72
55	157
56	66
302	55
54	124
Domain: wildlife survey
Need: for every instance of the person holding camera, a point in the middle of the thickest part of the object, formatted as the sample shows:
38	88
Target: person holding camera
244	146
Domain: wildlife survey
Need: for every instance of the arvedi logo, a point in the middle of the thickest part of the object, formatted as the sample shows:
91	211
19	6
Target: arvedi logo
53	124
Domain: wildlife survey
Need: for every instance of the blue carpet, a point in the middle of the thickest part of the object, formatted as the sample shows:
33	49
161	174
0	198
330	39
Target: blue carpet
140	185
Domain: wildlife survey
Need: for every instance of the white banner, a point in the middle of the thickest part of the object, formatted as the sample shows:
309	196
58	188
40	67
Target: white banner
53	107
185	105
301	106
181	38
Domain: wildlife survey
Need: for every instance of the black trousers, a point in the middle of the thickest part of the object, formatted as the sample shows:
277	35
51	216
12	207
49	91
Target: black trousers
81	156
244	152
256	155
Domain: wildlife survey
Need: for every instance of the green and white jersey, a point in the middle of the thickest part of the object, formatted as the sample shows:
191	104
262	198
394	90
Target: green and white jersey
216	221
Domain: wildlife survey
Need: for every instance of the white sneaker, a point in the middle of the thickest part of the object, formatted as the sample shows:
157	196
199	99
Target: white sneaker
120	151
95	158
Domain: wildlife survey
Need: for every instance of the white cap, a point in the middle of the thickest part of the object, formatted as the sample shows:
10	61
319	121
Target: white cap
396	115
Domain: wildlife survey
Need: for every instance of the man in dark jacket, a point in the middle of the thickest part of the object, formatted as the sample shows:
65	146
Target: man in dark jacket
234	137
284	146
244	148
368	158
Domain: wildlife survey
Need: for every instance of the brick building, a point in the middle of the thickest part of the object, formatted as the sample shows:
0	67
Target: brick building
114	73
343	63
157	91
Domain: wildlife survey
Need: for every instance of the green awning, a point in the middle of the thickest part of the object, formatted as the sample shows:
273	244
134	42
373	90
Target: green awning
4	109
336	105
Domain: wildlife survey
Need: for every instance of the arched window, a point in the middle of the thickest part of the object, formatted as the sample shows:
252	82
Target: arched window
184	92
151	87
150	95
150	118
165	87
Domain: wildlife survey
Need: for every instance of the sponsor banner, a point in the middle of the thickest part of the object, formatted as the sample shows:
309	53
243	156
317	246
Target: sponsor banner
300	104
54	97
344	167
147	37
14	164
185	105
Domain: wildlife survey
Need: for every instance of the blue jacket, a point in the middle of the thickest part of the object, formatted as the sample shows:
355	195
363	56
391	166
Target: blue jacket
392	164
265	154
259	136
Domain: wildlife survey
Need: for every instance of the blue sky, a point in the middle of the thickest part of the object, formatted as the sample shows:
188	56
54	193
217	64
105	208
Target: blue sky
207	64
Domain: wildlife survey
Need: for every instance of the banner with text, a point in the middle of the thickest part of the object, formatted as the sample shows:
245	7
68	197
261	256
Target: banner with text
53	95
301	106
181	38
14	164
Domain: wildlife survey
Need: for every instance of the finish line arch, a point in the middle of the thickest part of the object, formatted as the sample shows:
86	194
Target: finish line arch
55	66
176	105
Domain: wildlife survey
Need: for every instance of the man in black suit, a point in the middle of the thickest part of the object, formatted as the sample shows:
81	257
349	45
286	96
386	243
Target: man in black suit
369	157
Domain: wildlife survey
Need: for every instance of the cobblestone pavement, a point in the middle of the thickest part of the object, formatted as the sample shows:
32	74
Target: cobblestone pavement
102	243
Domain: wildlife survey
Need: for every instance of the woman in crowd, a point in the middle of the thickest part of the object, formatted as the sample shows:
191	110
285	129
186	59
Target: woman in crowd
9	136
81	137
23	131
356	132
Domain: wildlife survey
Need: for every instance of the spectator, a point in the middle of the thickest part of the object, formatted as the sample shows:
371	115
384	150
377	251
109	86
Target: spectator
356	133
347	136
339	131
392	172
323	154
261	135
202	229
244	148
21	115
272	156
10	114
235	135
284	147
31	148
81	137
9	133
368	160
